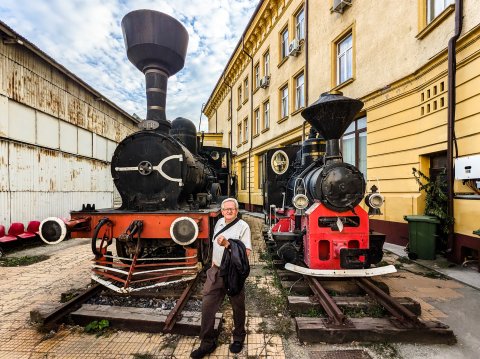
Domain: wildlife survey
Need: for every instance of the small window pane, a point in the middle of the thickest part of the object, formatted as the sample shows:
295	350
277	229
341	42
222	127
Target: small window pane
299	26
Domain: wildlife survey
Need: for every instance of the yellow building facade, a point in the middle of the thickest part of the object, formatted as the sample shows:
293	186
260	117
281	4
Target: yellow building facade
392	55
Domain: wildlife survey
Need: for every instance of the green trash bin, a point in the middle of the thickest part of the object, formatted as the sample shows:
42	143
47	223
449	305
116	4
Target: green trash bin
422	236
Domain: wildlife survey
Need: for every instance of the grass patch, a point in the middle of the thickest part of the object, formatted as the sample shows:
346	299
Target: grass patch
97	327
370	312
22	261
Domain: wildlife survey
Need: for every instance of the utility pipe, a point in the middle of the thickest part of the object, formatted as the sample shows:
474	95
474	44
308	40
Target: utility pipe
251	123
451	116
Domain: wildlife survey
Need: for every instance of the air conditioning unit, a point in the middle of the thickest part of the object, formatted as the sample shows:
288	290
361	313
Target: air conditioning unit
264	82
294	48
340	5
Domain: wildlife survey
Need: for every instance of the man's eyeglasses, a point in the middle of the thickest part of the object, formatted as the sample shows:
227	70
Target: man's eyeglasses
229	209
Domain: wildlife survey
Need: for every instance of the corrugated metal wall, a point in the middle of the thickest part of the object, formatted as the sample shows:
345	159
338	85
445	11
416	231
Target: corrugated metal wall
57	137
36	183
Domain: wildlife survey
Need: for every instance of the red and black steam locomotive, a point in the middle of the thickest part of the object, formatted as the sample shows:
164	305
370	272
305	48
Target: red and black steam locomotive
312	199
170	184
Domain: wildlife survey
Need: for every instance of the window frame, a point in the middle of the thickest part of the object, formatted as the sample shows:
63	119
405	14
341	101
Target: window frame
266	63
256	72
245	130
300	35
348	32
266	115
283	101
260	171
284	42
239	134
297	105
239	95
357	134
246	95
243	175
426	25
256	121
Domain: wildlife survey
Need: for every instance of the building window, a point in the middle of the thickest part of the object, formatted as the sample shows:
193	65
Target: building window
345	59
284	102
239	93
245	129
436	7
229	108
243	174
257	75
299	91
266	115
266	64
354	145
300	25
245	89
261	172
284	43
239	134
230	139
256	124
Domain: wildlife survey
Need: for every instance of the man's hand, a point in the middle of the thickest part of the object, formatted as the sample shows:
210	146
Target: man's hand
221	240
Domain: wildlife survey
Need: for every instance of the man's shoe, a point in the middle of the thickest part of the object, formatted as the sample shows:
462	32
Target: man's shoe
236	347
203	351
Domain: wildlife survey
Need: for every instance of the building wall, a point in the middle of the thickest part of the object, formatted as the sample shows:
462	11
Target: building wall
56	139
399	71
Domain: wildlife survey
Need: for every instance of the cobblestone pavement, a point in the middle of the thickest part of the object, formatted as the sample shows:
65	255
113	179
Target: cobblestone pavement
25	288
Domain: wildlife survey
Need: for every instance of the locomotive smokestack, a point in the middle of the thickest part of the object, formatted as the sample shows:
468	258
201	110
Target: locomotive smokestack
331	115
156	44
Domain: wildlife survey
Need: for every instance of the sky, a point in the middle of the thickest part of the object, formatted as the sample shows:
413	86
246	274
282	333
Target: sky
85	36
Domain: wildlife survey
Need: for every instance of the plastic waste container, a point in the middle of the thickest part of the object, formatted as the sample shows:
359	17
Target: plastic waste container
422	236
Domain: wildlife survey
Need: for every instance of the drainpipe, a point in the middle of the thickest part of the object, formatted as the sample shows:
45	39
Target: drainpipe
251	122
231	129
451	140
306	53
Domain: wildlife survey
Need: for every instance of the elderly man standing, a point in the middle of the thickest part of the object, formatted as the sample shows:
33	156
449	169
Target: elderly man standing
228	227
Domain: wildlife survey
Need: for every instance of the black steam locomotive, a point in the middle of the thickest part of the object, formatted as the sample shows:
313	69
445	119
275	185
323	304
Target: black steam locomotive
170	184
312	199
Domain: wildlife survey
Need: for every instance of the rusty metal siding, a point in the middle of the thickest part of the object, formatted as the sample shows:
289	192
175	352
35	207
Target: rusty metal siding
38	183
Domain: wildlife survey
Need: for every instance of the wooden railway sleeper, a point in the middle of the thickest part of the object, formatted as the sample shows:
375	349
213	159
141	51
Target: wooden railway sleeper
404	316
335	315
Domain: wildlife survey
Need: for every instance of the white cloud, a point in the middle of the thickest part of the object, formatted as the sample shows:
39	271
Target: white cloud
86	37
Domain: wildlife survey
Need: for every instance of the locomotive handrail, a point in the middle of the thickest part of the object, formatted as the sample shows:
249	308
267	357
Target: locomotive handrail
104	220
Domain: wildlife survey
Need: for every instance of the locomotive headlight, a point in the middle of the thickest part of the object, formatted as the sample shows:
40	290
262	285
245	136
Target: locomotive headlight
300	201
375	200
184	231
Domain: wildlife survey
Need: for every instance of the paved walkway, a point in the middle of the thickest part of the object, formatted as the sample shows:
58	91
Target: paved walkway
25	288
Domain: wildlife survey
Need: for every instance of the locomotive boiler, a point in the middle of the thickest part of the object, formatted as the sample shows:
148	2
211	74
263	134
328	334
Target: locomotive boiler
312	199
170	184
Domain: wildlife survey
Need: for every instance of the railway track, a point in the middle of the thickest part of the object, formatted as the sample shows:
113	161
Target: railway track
340	311
175	320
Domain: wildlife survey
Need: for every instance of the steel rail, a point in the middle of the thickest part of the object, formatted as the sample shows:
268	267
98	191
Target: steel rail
70	306
179	305
400	312
334	313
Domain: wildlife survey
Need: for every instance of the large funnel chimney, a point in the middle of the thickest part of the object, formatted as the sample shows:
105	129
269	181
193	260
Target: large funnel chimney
331	115
156	44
